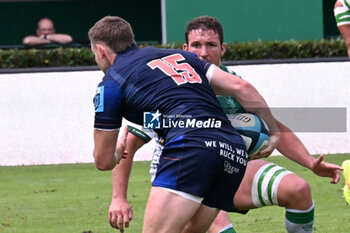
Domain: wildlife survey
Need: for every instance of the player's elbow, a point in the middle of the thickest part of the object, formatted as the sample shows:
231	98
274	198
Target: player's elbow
102	166
244	86
101	163
235	89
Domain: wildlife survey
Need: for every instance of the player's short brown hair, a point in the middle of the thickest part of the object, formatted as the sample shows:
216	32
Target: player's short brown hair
205	23
114	31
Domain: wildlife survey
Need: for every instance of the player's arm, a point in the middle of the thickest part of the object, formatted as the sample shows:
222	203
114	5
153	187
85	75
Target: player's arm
224	83
291	147
108	151
120	212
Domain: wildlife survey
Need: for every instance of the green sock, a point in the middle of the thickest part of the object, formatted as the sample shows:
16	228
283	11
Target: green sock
227	229
298	221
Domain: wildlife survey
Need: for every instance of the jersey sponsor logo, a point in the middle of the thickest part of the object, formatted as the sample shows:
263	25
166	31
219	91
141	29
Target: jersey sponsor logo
99	99
152	120
155	120
228	168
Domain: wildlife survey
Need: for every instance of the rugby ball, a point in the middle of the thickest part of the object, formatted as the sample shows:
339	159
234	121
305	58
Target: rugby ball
253	129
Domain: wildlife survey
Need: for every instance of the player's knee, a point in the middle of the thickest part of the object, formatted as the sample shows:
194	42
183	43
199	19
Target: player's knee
299	191
303	189
222	218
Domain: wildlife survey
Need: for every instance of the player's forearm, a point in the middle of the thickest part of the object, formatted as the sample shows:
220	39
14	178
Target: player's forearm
120	177
121	172
291	147
253	102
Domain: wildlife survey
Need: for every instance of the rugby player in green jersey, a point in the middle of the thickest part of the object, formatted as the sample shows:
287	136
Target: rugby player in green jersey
204	36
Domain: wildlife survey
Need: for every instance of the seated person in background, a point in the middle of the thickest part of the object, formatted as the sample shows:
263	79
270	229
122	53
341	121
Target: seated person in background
46	34
342	17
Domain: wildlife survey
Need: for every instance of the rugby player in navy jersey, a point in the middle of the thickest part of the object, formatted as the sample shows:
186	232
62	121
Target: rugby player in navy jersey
192	171
204	36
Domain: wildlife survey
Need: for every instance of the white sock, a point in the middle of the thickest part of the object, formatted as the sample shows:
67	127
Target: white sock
300	221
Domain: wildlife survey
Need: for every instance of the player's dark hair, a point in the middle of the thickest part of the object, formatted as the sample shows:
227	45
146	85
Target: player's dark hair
205	23
114	31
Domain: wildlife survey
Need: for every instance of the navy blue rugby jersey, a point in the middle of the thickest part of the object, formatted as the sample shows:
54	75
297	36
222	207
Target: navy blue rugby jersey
170	83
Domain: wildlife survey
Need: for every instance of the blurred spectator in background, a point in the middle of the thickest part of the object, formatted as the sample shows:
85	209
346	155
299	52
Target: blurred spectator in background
46	34
342	17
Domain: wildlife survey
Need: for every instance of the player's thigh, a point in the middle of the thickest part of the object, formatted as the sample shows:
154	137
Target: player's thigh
243	198
167	212
201	220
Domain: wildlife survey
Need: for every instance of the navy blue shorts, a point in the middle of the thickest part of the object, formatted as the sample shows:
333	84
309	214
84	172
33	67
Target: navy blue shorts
210	168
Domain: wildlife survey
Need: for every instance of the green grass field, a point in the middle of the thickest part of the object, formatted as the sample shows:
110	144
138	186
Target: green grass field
75	199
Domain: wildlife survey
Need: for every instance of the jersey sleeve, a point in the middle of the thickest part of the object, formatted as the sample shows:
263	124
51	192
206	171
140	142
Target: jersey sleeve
206	65
108	105
209	72
228	103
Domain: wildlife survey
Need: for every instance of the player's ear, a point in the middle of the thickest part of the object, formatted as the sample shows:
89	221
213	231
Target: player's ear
185	47
101	50
223	49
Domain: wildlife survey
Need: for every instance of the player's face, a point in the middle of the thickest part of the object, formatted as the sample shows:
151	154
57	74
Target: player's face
206	44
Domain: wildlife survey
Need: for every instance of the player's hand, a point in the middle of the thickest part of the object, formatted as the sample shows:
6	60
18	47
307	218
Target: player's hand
324	169
267	151
119	214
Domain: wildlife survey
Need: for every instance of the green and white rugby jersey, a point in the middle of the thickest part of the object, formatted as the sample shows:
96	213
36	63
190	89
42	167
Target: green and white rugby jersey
228	103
